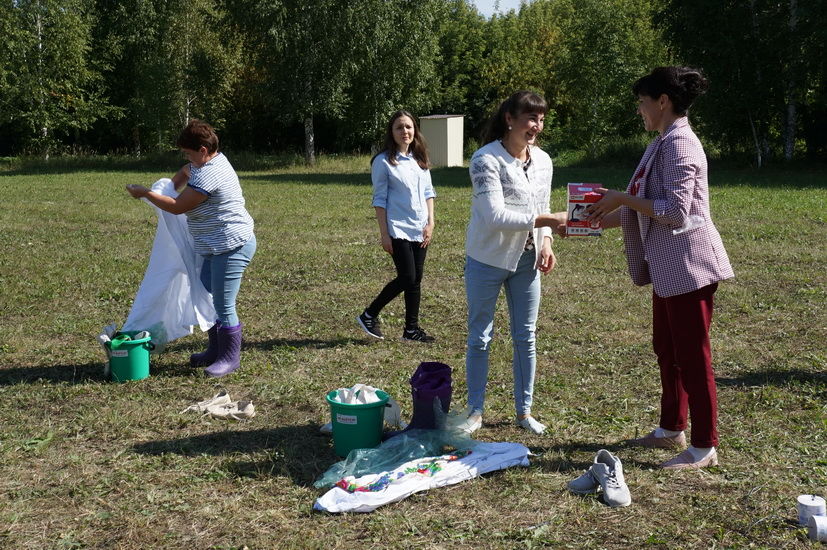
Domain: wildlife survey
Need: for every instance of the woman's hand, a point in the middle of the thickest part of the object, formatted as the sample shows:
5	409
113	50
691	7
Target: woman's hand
547	259
611	201
181	178
387	244
427	233
555	220
137	191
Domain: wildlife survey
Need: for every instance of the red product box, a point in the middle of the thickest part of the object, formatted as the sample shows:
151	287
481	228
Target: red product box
580	196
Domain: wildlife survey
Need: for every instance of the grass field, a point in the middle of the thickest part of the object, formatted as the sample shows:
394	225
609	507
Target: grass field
85	463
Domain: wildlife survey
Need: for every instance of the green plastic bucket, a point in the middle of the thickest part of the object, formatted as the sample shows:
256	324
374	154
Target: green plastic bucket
129	359
356	426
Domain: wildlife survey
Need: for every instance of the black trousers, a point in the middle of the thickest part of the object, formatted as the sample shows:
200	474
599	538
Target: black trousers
409	258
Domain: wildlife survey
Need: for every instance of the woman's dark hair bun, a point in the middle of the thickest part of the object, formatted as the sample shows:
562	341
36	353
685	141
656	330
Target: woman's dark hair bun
693	81
681	84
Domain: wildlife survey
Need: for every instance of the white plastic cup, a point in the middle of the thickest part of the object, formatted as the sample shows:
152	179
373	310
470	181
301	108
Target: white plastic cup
810	505
817	528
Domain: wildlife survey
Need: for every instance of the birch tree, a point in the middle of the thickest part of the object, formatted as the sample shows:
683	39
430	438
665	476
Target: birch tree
394	64
48	85
605	46
170	61
304	52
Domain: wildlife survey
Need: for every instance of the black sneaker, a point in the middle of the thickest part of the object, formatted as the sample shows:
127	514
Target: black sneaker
417	335
370	325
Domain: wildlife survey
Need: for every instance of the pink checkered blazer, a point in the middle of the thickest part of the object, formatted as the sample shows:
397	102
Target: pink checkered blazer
679	249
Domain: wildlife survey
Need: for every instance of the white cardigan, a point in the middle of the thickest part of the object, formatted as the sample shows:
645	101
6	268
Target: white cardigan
504	204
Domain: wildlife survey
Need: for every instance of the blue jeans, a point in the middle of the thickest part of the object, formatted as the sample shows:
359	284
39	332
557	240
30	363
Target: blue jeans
221	275
522	292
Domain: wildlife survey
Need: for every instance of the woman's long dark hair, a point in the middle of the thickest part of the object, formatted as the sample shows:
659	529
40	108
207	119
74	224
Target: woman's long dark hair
519	103
418	148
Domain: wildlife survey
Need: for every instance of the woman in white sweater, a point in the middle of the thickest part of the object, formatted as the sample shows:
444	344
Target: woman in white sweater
508	245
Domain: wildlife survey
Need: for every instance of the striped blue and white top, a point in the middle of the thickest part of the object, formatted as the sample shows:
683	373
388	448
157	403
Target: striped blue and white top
221	223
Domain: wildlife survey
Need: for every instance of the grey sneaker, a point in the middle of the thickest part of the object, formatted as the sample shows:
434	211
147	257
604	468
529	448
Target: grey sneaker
608	471
370	325
586	484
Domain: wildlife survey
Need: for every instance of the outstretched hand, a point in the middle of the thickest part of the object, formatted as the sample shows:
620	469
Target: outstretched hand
611	201
555	220
137	191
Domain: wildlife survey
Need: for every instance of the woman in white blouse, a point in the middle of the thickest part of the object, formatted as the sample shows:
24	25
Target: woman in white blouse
508	245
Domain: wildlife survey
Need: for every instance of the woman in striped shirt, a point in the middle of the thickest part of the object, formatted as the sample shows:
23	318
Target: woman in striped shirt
222	230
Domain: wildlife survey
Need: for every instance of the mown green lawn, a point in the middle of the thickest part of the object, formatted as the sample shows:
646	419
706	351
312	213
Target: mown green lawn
85	463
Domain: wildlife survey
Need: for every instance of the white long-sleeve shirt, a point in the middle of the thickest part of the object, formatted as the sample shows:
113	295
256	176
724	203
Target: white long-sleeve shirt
505	201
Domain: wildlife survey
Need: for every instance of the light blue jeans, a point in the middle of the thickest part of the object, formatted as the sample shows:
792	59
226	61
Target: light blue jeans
522	292
221	275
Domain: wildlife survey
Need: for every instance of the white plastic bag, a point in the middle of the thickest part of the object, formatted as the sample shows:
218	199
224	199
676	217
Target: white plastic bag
171	298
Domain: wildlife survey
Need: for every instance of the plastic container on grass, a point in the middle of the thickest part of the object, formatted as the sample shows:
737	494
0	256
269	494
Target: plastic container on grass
129	359
357	425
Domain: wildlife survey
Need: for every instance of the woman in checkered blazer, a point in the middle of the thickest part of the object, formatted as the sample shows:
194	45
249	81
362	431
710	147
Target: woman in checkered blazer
671	242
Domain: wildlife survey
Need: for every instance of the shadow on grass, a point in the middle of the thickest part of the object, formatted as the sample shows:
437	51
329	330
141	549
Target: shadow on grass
443	177
55	374
775	377
307	343
93	372
299	452
622	449
274	344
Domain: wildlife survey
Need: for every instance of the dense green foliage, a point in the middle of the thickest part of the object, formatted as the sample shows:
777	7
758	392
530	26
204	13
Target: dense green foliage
101	76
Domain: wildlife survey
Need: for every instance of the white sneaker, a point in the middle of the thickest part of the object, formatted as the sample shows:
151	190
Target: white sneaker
530	424
237	410
586	484
471	424
608	471
221	398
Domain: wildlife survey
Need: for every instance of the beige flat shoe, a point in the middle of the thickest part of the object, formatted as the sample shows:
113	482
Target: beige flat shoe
651	442
686	460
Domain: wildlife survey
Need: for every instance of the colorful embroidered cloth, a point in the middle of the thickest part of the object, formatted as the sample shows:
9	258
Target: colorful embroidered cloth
368	492
429	468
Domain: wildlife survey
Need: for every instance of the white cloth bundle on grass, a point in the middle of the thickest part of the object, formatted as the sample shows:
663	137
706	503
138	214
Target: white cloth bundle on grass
171	298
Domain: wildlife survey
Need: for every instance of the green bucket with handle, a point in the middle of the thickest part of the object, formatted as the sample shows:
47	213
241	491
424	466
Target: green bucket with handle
357	425
129	358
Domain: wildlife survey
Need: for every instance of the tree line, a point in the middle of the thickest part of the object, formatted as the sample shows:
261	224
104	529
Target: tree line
104	76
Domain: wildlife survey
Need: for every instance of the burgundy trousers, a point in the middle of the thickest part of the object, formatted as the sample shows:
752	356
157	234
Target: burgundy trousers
680	337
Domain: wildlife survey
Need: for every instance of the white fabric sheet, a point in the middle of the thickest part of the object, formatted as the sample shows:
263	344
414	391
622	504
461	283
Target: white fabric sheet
171	298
